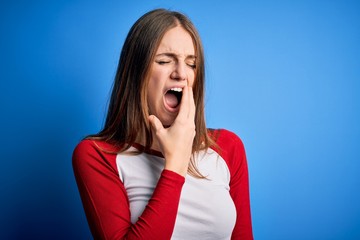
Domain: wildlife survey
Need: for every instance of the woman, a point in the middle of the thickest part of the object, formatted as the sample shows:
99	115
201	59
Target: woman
155	171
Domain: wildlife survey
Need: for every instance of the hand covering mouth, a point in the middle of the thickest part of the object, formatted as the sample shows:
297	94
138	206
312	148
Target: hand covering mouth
173	97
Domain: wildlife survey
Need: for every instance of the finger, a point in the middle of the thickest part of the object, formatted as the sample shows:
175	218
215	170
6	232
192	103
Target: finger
184	104
155	123
192	107
191	100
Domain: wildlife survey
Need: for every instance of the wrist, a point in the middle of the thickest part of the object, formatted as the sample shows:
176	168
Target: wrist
177	167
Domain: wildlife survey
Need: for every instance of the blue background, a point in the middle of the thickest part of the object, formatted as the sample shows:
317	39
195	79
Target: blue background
283	75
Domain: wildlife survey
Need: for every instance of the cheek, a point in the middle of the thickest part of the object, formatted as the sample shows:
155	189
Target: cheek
153	81
150	101
191	79
154	91
156	79
154	87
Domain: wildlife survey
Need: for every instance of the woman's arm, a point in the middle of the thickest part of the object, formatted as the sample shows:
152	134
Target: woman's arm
104	196
105	200
175	142
233	151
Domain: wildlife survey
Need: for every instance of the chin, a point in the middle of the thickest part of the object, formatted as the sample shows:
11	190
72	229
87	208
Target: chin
166	122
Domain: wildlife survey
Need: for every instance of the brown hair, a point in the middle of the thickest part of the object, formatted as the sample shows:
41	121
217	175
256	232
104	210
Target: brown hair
127	115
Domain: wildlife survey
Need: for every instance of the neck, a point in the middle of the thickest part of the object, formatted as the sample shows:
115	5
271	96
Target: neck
155	143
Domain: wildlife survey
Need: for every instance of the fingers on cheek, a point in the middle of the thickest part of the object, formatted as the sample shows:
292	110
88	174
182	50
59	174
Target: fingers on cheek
189	96
185	94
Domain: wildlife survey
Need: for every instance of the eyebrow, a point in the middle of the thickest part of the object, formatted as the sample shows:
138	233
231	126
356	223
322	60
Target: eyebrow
173	55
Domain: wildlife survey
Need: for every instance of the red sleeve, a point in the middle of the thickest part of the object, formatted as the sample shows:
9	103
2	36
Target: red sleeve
106	203
233	152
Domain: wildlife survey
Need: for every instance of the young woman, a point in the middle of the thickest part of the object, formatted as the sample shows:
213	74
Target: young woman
155	171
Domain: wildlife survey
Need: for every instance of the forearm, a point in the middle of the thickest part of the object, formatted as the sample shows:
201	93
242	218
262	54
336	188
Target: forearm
106	202
158	219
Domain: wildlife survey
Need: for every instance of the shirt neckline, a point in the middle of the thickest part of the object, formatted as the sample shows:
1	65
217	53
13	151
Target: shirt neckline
150	151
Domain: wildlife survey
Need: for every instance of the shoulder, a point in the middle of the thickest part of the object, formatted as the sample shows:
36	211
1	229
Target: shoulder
93	153
90	147
226	140
230	147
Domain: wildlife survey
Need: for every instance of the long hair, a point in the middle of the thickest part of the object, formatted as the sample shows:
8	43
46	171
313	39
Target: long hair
127	115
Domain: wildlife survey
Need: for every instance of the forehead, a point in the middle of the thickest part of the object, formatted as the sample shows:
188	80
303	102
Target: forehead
178	41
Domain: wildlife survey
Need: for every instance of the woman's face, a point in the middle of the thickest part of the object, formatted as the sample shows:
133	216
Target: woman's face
173	68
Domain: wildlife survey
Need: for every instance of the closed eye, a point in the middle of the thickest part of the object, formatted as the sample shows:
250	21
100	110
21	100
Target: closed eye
162	62
193	66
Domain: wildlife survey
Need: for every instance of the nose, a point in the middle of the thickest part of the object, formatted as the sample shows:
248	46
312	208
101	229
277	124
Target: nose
179	72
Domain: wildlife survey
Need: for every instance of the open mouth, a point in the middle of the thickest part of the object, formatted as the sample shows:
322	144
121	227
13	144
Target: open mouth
173	97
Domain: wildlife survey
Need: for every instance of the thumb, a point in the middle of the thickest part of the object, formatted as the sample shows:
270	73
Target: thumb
155	123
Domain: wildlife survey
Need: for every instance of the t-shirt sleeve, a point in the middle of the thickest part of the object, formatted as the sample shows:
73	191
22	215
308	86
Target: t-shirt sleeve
233	152
106	203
